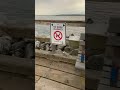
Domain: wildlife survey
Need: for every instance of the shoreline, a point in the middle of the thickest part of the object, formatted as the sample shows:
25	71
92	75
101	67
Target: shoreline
67	24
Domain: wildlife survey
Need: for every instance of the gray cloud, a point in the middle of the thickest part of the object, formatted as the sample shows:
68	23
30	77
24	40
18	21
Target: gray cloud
53	7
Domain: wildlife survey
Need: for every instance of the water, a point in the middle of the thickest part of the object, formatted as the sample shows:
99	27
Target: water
64	18
44	30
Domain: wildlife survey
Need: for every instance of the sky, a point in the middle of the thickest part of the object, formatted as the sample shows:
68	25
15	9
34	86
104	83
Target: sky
56	7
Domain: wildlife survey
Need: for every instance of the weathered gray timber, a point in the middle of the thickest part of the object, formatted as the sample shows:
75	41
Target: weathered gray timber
17	65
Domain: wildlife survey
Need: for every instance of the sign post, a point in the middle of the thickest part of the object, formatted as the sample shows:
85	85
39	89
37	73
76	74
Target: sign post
58	33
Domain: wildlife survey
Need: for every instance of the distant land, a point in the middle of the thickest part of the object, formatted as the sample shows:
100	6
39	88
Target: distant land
64	15
70	15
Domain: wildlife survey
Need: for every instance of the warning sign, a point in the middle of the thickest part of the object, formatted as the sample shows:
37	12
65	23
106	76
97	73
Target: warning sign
58	33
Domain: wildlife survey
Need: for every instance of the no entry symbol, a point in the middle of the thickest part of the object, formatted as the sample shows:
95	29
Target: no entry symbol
58	35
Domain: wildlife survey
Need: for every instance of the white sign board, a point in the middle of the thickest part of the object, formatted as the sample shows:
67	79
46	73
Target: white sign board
58	33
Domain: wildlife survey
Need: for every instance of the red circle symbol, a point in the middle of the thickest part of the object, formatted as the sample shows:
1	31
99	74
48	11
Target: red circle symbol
58	35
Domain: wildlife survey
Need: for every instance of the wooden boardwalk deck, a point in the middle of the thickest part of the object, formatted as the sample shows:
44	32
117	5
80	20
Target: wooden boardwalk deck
13	81
16	73
53	75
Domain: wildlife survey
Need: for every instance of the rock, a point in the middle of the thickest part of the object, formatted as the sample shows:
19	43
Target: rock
37	44
65	54
74	52
5	45
18	49
61	47
47	47
53	47
43	46
68	49
59	52
29	51
2	33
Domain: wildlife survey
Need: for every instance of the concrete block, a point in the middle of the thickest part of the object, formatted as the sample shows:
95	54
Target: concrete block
82	37
80	65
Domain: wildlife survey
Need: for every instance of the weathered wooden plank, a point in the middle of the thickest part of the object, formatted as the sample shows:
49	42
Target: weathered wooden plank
108	61
106	74
41	71
37	78
93	74
91	84
62	77
45	84
66	78
43	62
100	12
105	81
67	68
104	87
106	68
118	84
60	66
17	65
113	41
10	81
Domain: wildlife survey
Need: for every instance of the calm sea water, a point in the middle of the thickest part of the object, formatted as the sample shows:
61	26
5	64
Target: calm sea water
44	30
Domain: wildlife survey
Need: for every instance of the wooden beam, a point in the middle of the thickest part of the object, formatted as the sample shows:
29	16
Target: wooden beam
17	65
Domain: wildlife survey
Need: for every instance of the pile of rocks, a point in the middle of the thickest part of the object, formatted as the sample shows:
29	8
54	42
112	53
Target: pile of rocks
19	47
47	46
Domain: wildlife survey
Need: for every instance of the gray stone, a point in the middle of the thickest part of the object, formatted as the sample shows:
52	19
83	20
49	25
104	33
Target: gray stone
74	52
37	44
29	51
2	33
43	46
47	47
61	47
5	45
18	48
68	49
53	48
59	51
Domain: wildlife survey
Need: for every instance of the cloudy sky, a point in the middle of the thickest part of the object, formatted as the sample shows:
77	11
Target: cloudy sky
54	7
